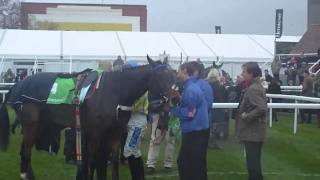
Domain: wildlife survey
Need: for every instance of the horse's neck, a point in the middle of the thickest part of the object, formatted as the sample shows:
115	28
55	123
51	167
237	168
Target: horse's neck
133	84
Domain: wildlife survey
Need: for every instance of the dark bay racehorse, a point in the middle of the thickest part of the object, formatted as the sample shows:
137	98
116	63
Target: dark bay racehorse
103	120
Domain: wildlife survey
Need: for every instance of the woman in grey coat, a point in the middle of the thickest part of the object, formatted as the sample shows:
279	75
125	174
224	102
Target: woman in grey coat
251	119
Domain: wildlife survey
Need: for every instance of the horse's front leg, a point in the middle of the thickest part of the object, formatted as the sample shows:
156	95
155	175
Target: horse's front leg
101	162
93	153
115	159
82	169
29	134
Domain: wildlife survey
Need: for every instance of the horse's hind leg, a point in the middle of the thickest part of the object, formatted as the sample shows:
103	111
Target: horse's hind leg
29	120
29	133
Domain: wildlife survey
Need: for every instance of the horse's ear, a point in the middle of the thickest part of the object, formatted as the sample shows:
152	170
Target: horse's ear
221	65
150	60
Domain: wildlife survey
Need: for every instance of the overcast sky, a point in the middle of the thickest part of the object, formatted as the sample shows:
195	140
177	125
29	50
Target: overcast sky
235	16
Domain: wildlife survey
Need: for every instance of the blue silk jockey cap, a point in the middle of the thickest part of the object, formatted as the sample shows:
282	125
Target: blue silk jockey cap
132	63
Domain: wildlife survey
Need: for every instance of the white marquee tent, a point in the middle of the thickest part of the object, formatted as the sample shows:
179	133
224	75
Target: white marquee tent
89	47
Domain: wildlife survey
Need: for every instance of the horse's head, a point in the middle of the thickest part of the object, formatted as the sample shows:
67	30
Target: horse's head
161	80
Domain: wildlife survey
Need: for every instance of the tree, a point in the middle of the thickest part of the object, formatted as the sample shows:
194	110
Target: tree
10	14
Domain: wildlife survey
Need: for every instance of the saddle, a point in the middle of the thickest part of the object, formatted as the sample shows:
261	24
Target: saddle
73	75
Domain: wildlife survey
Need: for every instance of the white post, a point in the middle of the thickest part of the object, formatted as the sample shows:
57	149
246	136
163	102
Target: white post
295	123
270	115
35	65
70	65
3	97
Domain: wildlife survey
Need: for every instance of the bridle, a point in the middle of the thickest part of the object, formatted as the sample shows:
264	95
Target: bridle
164	97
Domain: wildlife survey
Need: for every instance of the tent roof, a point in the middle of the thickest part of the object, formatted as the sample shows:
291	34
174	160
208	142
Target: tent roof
293	39
85	45
235	46
193	45
153	43
310	42
265	42
20	43
91	44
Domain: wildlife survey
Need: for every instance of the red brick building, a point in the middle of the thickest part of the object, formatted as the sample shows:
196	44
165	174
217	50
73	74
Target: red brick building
129	15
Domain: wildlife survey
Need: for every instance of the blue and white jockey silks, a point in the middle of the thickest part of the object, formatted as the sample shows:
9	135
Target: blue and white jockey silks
137	124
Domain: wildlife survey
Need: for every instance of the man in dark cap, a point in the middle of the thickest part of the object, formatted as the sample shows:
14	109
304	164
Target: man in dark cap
117	64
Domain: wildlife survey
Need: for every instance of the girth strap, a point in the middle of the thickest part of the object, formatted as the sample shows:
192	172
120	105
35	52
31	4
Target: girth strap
122	108
79	80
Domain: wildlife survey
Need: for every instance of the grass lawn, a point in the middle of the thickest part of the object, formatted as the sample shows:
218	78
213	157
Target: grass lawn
285	157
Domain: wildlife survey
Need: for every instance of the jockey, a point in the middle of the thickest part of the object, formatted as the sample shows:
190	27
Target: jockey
136	125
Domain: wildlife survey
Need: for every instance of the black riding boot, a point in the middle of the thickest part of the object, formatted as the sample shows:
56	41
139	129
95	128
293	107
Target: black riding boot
123	160
136	168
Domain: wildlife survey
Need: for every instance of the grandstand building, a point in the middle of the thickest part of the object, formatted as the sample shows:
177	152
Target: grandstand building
83	15
313	12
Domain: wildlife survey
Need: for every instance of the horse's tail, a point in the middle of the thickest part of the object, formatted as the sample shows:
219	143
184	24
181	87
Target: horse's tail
4	125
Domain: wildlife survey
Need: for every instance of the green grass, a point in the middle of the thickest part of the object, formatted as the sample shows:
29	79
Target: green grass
285	157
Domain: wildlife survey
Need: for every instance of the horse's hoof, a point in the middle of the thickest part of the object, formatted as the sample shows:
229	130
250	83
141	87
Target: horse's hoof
23	176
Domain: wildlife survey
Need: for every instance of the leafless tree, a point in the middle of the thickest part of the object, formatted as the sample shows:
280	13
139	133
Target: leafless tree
10	14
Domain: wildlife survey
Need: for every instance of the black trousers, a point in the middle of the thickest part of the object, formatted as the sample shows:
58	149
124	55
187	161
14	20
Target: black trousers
192	159
303	113
70	144
253	157
301	78
123	143
274	115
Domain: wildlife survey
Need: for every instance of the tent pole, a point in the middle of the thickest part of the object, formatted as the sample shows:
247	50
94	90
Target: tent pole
35	65
70	65
1	66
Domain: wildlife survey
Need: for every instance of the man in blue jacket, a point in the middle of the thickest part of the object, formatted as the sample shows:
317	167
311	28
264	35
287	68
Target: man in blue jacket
193	114
203	84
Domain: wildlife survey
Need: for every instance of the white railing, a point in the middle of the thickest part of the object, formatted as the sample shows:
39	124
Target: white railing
3	92
7	84
294	97
288	87
313	66
295	106
291	87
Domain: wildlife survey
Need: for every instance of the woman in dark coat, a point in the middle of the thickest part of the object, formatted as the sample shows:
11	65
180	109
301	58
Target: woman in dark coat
274	88
307	90
317	94
219	116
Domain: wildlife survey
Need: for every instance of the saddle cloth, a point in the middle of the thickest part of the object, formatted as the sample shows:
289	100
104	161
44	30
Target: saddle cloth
62	91
50	88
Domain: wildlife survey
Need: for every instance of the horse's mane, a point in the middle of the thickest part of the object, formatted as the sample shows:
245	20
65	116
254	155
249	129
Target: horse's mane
127	69
140	67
